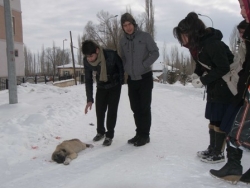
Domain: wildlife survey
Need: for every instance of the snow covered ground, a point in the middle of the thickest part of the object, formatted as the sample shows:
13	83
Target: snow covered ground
47	115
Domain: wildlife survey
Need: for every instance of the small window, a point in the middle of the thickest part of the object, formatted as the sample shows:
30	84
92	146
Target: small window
66	73
16	53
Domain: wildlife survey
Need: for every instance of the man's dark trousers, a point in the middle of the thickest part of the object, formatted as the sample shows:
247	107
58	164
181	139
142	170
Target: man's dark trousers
140	96
107	99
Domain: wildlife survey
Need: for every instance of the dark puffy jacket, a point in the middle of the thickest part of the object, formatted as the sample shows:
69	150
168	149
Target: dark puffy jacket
115	73
244	74
216	55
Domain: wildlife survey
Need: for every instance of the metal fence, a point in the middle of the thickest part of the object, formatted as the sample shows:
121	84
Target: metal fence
4	83
37	79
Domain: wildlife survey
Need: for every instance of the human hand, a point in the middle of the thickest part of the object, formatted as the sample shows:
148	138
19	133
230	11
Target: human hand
197	83
88	105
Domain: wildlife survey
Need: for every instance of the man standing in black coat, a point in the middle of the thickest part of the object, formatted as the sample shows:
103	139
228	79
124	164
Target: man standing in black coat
109	77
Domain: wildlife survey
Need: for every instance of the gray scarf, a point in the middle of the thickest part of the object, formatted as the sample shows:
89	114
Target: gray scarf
101	59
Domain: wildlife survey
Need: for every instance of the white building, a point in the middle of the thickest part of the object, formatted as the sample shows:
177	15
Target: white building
18	39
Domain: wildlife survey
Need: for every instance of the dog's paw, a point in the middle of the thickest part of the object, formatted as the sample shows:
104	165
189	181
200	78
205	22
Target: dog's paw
67	161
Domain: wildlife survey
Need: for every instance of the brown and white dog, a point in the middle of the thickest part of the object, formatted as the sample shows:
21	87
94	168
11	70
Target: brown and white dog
68	149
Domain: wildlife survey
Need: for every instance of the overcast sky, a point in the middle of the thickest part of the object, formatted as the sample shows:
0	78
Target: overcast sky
45	21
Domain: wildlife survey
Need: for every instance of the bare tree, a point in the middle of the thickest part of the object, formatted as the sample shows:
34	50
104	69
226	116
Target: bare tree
149	18
107	34
53	58
38	65
183	68
42	61
174	55
34	65
190	64
79	53
172	74
108	31
28	61
114	33
95	33
165	54
46	62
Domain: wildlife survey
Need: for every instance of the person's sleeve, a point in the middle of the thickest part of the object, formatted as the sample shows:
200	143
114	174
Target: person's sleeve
88	82
217	54
153	51
123	58
118	62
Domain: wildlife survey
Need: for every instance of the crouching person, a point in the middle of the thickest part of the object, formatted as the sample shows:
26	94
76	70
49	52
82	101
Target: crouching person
109	77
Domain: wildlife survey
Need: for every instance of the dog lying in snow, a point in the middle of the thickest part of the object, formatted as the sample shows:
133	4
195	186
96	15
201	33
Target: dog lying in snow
68	150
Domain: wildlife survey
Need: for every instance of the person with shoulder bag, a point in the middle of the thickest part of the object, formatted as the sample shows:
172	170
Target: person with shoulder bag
213	59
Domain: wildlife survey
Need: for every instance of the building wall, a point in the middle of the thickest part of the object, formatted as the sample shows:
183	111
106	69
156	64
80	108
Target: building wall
18	39
70	70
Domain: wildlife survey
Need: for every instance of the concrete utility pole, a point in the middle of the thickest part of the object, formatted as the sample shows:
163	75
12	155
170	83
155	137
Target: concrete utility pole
10	53
73	59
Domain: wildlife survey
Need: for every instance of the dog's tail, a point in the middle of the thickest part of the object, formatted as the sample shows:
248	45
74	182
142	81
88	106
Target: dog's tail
89	145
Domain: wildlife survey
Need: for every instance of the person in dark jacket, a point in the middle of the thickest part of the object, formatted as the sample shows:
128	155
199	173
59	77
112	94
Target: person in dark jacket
107	66
213	59
138	52
232	171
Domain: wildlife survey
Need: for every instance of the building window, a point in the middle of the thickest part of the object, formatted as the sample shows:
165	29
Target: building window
14	25
16	53
66	73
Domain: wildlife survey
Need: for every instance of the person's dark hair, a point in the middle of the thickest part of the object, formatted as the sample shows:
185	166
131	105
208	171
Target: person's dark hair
242	25
193	27
89	47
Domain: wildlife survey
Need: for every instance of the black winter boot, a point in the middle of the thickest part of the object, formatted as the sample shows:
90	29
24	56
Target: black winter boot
232	170
133	140
245	178
98	137
217	155
142	140
211	146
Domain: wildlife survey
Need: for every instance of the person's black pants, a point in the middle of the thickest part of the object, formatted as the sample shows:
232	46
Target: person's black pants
107	99
140	96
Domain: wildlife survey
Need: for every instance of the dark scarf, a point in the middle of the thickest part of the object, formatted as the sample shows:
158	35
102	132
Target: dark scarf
194	52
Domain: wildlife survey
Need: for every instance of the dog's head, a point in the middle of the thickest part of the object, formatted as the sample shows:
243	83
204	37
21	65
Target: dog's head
59	156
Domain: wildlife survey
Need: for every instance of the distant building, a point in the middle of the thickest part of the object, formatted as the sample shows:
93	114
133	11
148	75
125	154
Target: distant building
158	72
67	71
18	39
